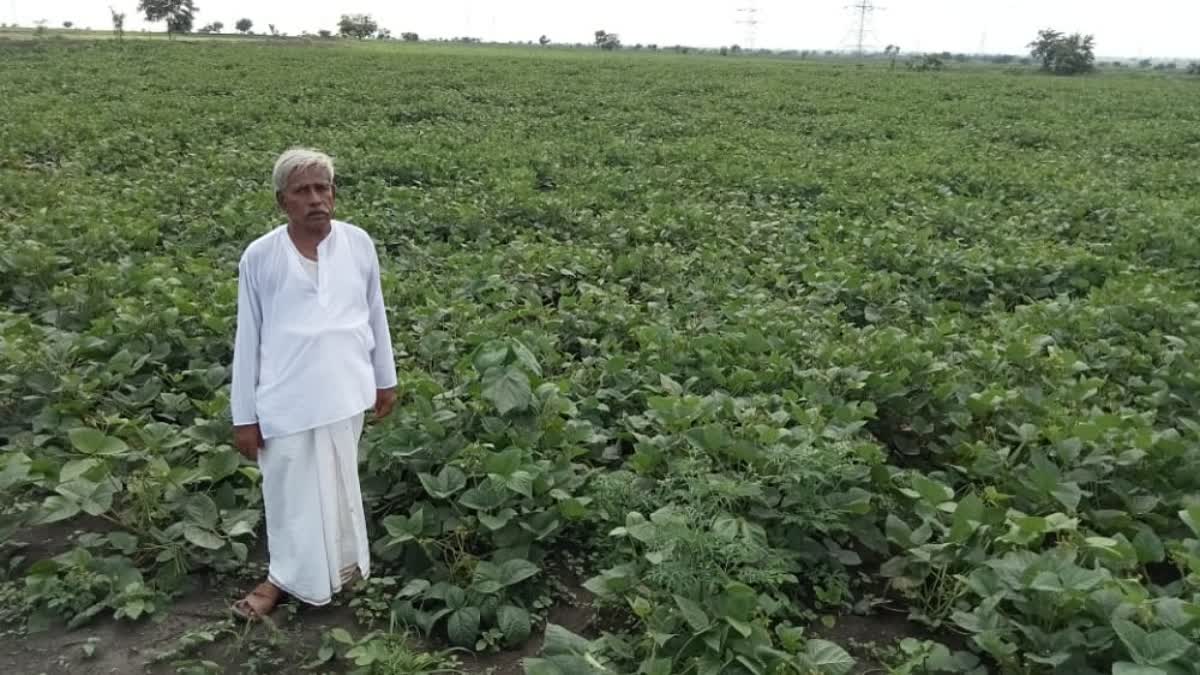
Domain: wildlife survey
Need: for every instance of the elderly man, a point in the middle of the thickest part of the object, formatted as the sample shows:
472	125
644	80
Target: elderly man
312	353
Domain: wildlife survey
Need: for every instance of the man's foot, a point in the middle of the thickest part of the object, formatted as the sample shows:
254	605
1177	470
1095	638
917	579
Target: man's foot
259	602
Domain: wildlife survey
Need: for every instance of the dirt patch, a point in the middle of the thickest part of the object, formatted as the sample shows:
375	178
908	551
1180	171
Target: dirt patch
861	635
198	632
120	646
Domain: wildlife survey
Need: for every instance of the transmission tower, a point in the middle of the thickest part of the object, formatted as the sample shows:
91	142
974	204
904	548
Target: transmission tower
863	10
748	18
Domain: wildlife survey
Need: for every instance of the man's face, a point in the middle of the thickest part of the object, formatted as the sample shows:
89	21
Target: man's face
308	199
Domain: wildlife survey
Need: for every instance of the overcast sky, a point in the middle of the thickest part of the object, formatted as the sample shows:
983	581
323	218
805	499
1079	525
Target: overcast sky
1148	28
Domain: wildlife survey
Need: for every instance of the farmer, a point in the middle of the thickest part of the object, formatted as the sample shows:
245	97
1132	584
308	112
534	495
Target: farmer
312	353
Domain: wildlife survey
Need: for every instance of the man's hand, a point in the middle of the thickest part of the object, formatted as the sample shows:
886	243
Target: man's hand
248	439
385	400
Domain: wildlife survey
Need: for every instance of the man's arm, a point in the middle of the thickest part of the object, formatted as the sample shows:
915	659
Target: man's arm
247	436
382	357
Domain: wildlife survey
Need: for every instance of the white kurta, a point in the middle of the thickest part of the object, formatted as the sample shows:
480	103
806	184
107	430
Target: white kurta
307	354
312	347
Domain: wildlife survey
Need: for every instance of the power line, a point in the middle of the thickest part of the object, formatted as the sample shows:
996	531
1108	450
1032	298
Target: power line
864	10
748	17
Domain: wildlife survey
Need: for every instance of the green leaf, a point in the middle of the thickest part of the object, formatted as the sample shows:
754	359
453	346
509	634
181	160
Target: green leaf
517	570
497	521
520	482
725	528
1156	649
491	355
1047	581
414	588
1191	517
463	626
932	492
201	510
449	480
561	642
341	635
202	537
93	442
693	614
487	578
76	469
510	391
828	658
898	532
221	465
92	498
123	541
514	623
969	511
1079	579
405	528
56	508
503	463
738	601
526	358
485	497
1068	494
1148	546
742	627
1126	668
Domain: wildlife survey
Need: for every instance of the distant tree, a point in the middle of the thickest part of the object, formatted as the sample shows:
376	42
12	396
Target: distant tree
325	33
926	62
68	24
1064	54
1145	63
271	29
410	37
543	41
383	34
244	25
723	51
735	50
359	26
1193	68
652	47
118	23
892	51
214	27
606	40
177	13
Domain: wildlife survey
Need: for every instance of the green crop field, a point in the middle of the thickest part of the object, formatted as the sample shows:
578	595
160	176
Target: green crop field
725	355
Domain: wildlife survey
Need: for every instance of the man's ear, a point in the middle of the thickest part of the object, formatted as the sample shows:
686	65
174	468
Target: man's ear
279	198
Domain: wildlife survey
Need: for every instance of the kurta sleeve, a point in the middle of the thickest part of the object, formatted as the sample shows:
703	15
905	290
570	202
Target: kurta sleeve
382	356
246	350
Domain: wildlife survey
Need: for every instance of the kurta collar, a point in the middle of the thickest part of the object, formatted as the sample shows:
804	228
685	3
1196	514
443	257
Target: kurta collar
325	255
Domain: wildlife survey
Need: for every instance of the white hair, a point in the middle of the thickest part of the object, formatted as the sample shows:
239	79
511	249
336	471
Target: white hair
297	159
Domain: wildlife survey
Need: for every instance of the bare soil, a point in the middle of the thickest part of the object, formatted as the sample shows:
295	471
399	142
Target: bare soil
199	627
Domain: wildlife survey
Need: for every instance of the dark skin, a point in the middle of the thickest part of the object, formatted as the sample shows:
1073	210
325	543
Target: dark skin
308	202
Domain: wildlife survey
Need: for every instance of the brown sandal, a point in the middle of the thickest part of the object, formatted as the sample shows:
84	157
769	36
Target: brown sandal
251	611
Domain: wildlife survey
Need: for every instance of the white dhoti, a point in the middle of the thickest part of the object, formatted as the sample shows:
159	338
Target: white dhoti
316	530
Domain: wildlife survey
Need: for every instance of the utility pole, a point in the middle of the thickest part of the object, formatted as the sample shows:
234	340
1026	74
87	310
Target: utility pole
864	9
748	17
